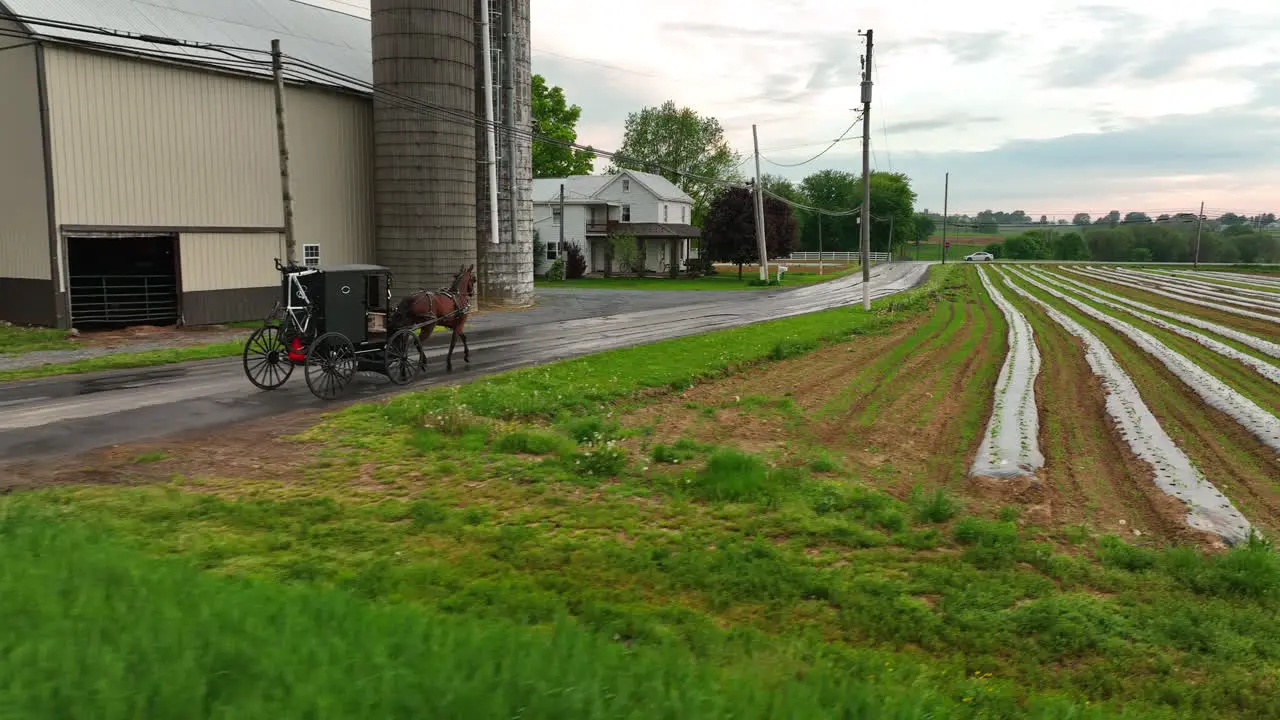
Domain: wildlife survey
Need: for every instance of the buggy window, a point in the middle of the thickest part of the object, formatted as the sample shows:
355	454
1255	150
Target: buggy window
375	297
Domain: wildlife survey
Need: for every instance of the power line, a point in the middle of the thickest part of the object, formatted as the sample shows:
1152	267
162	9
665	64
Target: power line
847	130
884	126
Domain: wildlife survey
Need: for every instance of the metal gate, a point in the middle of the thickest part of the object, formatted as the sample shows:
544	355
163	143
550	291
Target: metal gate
123	299
122	279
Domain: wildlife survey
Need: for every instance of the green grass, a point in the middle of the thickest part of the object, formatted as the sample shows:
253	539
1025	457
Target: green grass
15	340
122	361
723	280
93	630
511	548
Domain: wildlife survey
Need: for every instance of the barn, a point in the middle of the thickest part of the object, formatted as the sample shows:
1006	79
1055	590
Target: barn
140	180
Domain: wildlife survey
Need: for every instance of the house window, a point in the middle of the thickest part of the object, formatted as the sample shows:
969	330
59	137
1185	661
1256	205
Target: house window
626	213
626	184
555	215
311	255
684	214
553	248
664	212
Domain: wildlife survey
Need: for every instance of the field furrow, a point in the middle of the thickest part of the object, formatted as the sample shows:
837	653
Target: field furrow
1220	300
1222	311
1265	369
1173	472
1265	347
1256	282
1011	445
1221	283
1263	424
1231	294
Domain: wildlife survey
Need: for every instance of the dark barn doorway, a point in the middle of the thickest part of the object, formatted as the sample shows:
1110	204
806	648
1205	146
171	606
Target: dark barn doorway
123	280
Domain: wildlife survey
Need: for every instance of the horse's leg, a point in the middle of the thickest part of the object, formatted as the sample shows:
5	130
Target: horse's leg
448	360
466	351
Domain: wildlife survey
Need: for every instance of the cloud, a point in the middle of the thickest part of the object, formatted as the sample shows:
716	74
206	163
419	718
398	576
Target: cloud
948	122
1085	169
1127	48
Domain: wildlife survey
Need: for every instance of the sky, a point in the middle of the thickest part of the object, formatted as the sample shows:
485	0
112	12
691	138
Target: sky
1053	108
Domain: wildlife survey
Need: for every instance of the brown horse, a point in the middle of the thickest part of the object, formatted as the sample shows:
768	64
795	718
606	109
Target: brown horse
430	308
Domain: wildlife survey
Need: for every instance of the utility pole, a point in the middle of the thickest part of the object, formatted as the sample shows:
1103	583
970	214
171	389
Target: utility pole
819	243
946	196
866	176
560	247
1199	227
890	248
763	248
282	139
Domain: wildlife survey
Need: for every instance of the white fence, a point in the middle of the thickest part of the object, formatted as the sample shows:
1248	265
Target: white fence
847	257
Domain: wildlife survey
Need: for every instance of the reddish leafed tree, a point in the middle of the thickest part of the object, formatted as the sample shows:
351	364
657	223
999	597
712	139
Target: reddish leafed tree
729	232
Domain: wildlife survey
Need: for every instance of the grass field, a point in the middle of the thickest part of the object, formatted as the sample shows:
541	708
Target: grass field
771	521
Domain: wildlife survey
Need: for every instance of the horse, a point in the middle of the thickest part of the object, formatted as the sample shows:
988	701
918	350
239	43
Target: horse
448	307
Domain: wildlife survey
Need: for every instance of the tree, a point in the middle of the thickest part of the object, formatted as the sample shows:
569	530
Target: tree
729	231
1082	219
831	190
1070	246
676	142
575	262
624	250
555	117
1111	219
925	226
1135	218
1026	246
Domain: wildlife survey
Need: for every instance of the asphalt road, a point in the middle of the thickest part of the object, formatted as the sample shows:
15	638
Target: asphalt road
41	419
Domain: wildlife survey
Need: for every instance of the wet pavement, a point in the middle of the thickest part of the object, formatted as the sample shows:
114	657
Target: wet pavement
73	414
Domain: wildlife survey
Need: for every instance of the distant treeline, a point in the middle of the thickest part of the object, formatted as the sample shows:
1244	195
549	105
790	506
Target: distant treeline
1145	242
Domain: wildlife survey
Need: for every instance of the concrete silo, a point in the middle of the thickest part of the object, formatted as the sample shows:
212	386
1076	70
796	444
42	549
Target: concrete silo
425	161
506	276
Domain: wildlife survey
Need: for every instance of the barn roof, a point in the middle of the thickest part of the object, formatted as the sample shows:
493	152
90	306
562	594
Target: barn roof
332	39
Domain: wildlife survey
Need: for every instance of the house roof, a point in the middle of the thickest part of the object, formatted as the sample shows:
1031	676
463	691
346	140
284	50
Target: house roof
576	187
659	230
663	188
332	39
587	187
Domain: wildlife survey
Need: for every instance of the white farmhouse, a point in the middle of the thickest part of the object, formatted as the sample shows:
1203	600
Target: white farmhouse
645	205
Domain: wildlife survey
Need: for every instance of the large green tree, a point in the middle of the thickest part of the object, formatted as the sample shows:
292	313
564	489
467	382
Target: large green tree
554	117
677	143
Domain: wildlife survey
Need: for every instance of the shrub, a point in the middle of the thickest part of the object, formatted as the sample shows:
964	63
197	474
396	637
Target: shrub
576	266
699	266
557	270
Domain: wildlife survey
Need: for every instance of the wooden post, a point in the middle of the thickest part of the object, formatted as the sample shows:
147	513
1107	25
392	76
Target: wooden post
277	71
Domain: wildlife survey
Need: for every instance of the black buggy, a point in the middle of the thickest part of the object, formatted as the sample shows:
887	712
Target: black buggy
333	322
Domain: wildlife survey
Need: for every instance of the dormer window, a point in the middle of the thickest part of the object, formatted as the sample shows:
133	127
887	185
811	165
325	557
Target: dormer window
626	184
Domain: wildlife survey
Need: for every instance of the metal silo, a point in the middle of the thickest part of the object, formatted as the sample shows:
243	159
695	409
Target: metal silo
506	276
425	161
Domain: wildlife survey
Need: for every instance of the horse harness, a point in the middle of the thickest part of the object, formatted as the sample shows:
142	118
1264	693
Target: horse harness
458	307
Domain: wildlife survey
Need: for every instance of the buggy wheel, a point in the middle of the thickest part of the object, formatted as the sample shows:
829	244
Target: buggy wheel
403	357
331	363
266	358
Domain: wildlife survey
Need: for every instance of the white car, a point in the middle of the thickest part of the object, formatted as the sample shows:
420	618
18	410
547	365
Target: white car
979	257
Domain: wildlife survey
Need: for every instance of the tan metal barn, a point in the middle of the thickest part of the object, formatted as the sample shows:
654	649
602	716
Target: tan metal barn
143	184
